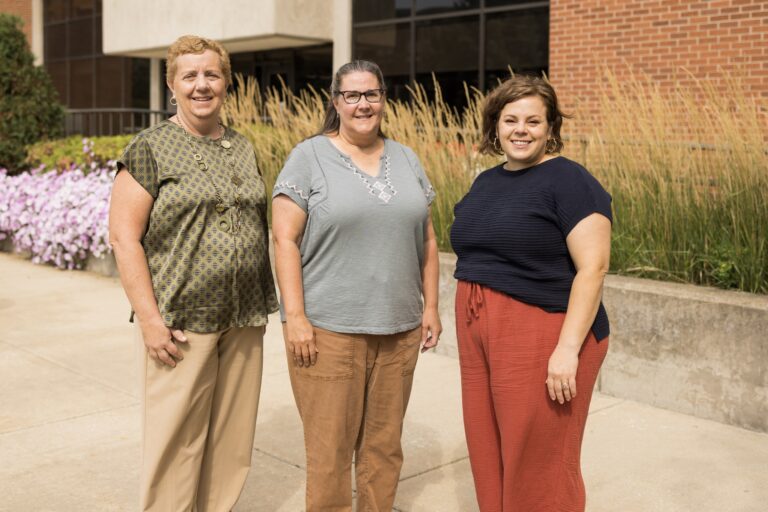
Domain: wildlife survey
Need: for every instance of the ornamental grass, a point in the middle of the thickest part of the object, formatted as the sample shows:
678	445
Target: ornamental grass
688	170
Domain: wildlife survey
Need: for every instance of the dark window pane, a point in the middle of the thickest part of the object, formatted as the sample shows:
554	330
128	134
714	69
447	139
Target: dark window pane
440	6
109	82
80	35
388	46
58	74
139	91
396	87
452	85
81	83
55	10
79	8
371	10
97	50
447	45
55	40
314	66
516	39
242	63
504	3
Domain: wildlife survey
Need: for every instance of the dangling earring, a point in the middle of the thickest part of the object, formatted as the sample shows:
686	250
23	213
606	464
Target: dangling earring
496	144
173	101
551	146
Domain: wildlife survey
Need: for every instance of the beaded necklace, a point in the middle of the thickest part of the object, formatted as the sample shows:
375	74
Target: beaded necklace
229	220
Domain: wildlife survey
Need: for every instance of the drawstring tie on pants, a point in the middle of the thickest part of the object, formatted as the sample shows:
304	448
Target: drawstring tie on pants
474	301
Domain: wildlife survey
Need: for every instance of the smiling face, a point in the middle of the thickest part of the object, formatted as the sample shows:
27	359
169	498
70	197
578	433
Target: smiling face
362	118
523	131
199	86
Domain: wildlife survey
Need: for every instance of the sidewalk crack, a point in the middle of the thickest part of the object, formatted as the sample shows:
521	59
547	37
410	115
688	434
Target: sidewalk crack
435	468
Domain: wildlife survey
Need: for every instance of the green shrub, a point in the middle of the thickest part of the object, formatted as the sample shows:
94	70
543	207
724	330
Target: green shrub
29	106
62	154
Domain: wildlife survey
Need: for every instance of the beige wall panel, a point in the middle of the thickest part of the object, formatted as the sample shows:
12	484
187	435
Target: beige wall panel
147	27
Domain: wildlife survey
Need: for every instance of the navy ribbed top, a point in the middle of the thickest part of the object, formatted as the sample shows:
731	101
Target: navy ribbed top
509	232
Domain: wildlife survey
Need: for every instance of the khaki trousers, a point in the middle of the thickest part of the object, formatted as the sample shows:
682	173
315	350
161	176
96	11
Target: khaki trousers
198	421
352	401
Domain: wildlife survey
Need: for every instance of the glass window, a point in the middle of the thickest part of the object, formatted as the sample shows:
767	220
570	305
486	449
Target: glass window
81	83
55	40
80	8
58	73
139	91
98	50
242	63
372	10
441	6
504	3
452	85
314	67
397	87
516	39
388	46
109	82
447	44
55	10
80	36
449	49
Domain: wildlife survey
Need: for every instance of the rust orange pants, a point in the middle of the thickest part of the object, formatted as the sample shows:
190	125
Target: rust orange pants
524	448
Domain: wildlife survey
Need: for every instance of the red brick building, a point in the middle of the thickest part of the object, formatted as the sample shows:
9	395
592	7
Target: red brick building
668	41
22	9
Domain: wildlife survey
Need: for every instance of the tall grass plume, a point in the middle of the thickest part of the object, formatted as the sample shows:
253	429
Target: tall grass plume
688	170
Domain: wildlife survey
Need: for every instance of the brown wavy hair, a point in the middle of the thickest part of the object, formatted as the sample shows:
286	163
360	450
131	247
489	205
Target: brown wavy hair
196	45
513	89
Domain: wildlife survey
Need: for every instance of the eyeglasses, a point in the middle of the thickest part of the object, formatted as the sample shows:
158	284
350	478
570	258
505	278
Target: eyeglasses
371	96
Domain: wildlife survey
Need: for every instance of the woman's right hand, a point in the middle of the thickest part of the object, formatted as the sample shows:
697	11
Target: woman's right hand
161	343
300	340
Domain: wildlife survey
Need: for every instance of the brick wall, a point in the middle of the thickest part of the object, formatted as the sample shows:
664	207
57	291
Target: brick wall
22	9
658	38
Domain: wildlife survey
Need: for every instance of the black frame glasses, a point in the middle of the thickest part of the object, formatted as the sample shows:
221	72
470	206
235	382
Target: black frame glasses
371	96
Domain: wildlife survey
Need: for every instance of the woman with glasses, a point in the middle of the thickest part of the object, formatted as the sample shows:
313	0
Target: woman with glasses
355	255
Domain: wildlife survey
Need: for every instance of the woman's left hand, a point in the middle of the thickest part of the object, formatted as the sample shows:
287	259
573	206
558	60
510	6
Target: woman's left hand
561	373
431	328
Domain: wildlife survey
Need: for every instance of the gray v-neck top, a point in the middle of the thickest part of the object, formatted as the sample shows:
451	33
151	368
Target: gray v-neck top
363	246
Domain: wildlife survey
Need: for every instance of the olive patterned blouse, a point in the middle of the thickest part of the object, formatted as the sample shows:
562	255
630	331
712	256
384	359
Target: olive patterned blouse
207	250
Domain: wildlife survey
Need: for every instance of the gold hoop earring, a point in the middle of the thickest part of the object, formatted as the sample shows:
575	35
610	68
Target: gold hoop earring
173	101
496	144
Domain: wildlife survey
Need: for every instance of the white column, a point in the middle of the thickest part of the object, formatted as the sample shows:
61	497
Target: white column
342	33
37	32
156	84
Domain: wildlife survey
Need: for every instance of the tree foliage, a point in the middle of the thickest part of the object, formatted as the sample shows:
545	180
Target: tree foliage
29	107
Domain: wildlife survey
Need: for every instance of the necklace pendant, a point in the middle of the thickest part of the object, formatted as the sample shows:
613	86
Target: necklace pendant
221	207
236	180
226	144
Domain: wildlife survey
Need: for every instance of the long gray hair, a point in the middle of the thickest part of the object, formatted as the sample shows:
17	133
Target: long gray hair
331	122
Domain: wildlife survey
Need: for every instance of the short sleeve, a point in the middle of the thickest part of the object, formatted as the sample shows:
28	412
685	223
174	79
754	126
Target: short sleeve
295	178
578	195
138	160
426	186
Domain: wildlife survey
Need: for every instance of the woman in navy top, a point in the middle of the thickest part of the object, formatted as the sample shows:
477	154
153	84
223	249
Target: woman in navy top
532	238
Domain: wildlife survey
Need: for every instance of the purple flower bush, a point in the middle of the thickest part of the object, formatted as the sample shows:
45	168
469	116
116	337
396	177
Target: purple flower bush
60	218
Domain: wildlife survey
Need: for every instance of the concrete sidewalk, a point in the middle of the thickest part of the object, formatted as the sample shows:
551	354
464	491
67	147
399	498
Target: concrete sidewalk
69	422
